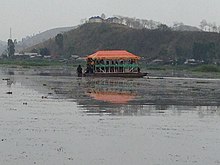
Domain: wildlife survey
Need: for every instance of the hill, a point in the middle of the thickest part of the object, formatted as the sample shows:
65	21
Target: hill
161	43
2	46
3	43
41	37
185	28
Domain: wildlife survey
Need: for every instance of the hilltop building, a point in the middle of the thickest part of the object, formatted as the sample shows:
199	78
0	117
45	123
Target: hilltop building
96	19
113	20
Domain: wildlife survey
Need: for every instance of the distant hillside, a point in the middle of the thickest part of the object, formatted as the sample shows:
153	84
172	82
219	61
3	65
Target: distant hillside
161	43
186	28
3	43
2	46
41	37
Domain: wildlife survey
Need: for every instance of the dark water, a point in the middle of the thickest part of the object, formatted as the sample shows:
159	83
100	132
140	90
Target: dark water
69	120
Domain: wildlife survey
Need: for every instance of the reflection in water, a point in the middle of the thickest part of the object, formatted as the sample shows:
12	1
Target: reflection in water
114	110
135	97
149	110
138	96
111	96
128	96
9	82
172	129
111	90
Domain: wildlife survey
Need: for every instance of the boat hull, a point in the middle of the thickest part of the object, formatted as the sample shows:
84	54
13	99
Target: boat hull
125	75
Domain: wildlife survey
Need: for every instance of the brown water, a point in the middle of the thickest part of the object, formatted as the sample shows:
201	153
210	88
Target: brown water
70	120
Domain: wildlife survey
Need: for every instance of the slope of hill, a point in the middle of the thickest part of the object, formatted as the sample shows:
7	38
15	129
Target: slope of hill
41	37
2	46
150	44
3	43
186	28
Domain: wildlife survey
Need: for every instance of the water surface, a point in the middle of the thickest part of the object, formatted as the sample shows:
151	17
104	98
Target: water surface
70	120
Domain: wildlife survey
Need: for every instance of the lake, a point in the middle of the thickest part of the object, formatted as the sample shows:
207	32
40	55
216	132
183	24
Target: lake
60	119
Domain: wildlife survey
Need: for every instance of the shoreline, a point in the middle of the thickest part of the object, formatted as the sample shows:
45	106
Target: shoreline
69	69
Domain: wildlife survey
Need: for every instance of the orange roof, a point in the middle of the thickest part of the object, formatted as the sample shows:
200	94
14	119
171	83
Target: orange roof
113	54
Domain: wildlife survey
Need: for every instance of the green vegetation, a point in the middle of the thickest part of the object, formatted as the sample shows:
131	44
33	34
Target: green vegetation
171	47
204	51
160	43
44	51
156	68
207	68
59	43
26	63
40	62
191	69
11	48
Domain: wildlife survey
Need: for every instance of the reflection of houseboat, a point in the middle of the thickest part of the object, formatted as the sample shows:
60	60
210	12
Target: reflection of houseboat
112	96
113	63
111	90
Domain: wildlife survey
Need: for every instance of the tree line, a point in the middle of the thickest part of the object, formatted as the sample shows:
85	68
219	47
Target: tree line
161	43
208	26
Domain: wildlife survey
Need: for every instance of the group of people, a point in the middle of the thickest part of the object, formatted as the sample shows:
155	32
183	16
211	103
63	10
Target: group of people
79	70
106	66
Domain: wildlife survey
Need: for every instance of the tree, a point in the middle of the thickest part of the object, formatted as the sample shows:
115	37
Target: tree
177	24
15	42
34	50
209	26
103	16
203	24
214	27
152	25
204	51
163	27
128	22
59	41
44	51
218	29
11	48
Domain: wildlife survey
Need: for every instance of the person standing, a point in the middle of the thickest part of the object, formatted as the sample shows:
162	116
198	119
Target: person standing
79	71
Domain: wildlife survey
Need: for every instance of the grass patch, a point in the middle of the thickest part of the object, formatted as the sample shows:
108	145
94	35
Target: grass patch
26	63
207	68
167	67
155	67
39	62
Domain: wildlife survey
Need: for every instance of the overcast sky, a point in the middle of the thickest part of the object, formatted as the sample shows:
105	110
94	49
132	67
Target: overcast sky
27	17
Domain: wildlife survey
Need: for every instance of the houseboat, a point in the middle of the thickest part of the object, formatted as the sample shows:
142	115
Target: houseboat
113	63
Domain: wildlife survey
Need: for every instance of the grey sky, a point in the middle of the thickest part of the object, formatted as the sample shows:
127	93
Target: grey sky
27	17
